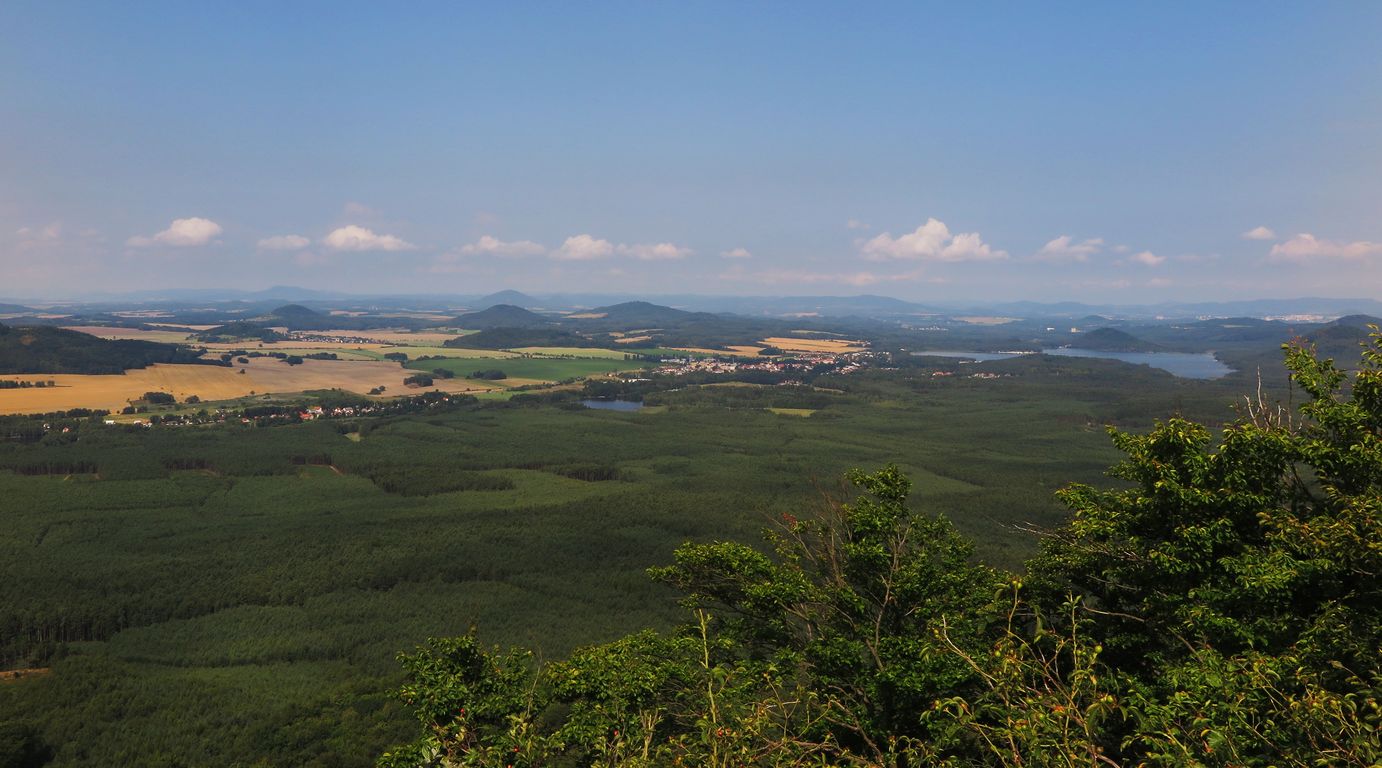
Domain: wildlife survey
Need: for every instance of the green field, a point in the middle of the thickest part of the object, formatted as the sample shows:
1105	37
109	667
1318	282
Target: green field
534	368
416	352
591	352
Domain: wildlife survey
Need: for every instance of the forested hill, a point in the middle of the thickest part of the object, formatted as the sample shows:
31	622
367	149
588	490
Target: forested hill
1114	340
44	349
502	316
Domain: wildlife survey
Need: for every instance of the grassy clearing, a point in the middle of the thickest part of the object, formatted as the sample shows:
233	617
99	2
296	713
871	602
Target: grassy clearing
456	352
792	411
111	332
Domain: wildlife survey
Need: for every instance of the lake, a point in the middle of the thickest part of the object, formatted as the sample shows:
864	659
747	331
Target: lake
1186	365
612	405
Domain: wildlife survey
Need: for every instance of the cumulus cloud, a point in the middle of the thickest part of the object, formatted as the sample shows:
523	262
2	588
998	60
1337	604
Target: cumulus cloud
1147	259
583	248
1065	248
284	243
488	245
654	251
1259	233
181	233
736	253
355	238
588	247
931	241
1306	247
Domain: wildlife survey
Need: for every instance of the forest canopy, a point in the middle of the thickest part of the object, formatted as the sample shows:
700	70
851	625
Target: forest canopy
1220	609
45	349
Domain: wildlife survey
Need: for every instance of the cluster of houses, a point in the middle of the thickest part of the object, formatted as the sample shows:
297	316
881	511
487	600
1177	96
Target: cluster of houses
800	363
984	375
331	338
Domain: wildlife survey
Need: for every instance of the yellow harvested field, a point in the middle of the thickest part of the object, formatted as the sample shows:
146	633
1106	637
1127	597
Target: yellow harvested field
104	332
586	315
815	345
631	339
738	349
193	327
286	346
209	382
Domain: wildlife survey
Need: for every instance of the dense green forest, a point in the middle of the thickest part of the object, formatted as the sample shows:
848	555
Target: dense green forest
1223	609
235	594
256	582
44	349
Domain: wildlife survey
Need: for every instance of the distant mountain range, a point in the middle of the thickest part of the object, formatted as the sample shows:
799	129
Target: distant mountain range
864	305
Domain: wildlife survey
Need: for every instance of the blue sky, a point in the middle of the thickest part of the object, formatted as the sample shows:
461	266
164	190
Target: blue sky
1096	151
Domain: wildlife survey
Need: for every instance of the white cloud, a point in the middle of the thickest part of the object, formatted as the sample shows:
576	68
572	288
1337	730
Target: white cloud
44	235
355	238
1259	233
1064	248
587	247
654	251
1147	258
181	233
931	241
856	224
1306	247
488	245
583	248
284	243
736	253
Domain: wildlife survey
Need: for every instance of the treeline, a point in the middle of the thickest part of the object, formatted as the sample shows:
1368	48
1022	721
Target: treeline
44	349
1223	608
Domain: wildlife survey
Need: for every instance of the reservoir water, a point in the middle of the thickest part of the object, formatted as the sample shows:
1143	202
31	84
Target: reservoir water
612	405
1187	365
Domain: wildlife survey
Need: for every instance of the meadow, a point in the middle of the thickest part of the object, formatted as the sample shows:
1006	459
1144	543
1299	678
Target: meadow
235	596
534	369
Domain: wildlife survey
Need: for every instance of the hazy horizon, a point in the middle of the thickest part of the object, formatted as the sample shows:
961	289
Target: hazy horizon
1095	154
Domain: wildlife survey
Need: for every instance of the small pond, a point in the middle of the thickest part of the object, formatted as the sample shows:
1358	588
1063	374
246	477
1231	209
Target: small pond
612	405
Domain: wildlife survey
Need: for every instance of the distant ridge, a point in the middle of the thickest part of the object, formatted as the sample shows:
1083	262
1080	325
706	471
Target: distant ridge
509	297
632	313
